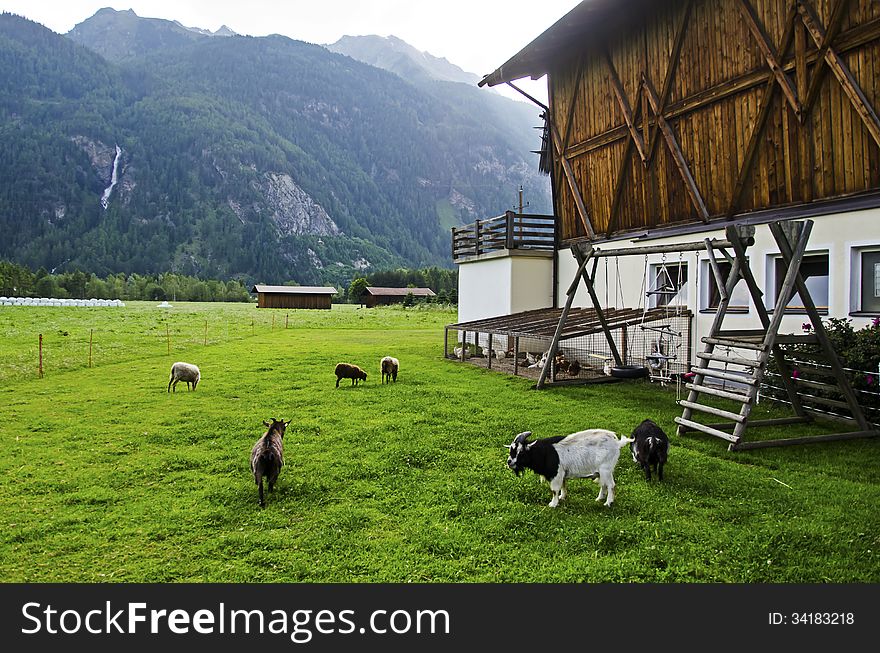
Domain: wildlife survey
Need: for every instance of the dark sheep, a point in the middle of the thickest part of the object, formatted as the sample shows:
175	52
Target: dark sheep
347	371
267	456
650	448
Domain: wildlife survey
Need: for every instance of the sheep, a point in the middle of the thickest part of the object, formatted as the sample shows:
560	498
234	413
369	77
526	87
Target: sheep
650	448
585	454
267	456
184	372
389	366
347	371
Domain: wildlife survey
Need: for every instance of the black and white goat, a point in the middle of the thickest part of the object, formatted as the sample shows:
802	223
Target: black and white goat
650	448
586	454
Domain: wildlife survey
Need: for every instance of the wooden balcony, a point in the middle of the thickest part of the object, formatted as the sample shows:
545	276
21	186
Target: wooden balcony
511	231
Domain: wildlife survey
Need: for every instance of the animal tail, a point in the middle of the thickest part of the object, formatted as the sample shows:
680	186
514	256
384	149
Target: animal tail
624	441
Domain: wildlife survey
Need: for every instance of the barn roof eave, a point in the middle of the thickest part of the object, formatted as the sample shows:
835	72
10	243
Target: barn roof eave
589	22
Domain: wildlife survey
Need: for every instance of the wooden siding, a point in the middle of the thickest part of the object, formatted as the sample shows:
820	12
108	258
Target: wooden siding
282	300
714	108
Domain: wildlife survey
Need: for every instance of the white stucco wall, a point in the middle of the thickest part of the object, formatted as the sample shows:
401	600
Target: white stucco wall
501	285
843	237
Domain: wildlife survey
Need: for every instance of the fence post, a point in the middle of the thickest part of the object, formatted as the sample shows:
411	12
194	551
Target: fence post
91	333
41	355
509	242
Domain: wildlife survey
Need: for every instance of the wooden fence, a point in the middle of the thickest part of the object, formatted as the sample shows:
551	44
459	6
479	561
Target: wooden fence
508	231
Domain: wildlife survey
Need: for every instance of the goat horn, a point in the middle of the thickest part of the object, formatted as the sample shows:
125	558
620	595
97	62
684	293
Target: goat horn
522	437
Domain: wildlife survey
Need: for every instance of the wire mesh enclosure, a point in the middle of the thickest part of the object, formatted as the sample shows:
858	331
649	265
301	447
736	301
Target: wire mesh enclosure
657	339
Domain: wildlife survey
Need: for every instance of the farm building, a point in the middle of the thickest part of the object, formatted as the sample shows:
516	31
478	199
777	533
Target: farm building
376	296
714	157
293	296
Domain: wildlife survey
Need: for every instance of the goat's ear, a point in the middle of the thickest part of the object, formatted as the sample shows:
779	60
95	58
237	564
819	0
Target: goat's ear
286	423
265	423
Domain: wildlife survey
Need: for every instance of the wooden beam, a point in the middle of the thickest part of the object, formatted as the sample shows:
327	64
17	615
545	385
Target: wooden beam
859	102
572	182
623	102
757	30
830	33
573	104
674	148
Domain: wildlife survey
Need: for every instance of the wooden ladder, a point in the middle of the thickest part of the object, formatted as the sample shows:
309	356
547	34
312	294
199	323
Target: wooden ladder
758	346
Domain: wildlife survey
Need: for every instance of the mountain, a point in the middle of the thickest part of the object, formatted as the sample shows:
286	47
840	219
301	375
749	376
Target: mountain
400	58
140	145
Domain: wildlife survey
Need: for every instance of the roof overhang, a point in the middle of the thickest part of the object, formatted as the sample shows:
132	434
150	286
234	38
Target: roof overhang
586	26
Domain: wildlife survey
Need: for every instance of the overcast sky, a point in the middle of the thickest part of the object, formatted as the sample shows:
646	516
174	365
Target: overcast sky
476	35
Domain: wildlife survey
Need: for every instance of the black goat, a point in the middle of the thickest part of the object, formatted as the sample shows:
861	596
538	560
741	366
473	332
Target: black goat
650	448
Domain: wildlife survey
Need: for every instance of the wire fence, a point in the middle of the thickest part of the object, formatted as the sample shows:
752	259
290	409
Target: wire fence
33	353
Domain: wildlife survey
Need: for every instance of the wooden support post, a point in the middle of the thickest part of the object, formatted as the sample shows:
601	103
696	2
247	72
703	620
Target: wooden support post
446	342
509	242
489	364
515	355
716	271
463	345
693	395
818	328
758	299
572	290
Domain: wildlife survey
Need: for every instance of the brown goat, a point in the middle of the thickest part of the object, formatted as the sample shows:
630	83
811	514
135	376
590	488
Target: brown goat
267	456
347	371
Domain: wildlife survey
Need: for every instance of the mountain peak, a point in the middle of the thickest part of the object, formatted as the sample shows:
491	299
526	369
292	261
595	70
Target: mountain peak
396	55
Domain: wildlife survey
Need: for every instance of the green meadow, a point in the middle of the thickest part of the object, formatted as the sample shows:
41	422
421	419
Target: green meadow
107	477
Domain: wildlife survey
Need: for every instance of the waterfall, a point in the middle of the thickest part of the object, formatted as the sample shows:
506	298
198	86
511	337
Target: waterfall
105	198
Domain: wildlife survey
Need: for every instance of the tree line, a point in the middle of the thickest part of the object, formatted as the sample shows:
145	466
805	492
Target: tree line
19	281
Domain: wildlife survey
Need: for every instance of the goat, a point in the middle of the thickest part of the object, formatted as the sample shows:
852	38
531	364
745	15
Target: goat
650	448
184	372
586	454
389	366
267	456
347	371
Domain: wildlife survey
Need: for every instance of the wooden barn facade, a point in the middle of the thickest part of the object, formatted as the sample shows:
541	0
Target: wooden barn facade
376	296
293	296
670	113
689	123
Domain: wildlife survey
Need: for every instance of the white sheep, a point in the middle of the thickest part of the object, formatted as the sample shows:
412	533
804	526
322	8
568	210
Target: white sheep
184	372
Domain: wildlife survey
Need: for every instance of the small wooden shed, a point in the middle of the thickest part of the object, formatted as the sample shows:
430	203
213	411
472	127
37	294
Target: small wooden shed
293	296
376	296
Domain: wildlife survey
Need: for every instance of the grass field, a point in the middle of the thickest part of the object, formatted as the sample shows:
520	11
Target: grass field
107	477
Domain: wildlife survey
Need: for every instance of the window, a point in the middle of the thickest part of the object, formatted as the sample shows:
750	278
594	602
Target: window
868	279
739	299
814	270
669	285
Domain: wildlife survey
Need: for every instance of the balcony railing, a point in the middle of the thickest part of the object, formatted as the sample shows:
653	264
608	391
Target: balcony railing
509	231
